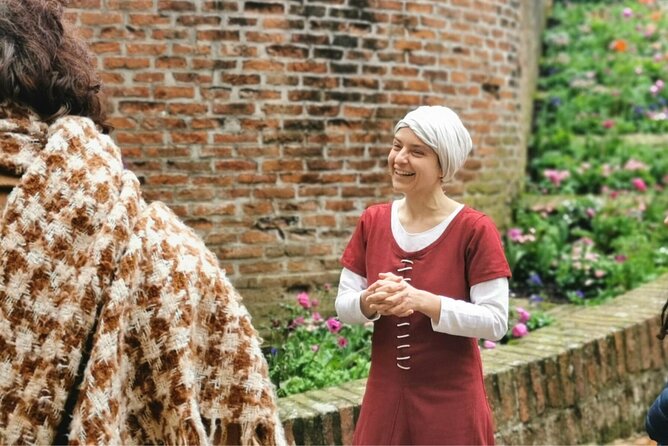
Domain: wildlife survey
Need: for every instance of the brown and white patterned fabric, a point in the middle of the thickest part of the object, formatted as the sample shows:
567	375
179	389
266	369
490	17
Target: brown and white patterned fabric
95	282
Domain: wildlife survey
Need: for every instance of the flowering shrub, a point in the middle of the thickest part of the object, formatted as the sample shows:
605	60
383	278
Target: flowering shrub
521	322
603	75
307	351
588	248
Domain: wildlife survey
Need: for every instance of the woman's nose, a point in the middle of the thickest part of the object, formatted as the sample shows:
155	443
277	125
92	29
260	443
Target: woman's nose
401	156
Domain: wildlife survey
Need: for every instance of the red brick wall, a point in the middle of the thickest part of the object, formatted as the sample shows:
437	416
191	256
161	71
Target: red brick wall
266	124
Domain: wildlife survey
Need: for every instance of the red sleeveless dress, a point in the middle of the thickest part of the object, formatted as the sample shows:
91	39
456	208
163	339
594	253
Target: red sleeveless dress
425	387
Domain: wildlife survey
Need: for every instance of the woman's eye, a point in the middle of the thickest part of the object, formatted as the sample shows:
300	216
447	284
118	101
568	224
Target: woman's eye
396	147
418	153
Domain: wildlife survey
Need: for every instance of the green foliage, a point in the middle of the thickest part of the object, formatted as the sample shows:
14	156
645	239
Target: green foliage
588	248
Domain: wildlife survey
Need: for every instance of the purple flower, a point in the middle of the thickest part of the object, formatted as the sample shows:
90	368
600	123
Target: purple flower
520	330
627	13
620	258
304	300
333	325
273	351
534	279
535	298
342	342
579	294
523	314
489	344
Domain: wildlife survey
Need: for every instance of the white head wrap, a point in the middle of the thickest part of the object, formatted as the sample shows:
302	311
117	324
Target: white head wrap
441	129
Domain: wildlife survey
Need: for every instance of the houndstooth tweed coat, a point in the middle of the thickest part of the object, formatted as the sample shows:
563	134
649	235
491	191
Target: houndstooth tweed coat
94	282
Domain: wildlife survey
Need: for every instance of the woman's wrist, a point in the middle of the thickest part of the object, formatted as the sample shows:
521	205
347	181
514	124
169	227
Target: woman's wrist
428	304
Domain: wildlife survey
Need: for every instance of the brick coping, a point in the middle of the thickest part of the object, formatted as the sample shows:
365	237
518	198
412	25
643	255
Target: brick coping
556	373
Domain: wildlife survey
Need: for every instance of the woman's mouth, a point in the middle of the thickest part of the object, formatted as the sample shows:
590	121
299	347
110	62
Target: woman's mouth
403	173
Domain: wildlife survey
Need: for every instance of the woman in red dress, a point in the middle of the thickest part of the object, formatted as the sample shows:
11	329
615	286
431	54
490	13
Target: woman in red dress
431	274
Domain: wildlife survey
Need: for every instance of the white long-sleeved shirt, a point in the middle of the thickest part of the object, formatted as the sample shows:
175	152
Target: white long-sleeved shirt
486	316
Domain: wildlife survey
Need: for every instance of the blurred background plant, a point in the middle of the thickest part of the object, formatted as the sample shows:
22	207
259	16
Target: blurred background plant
591	225
602	82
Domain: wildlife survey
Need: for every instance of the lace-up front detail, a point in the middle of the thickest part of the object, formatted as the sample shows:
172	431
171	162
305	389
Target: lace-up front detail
404	326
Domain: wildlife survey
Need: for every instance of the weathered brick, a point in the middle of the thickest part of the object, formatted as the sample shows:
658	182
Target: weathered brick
235	165
129	63
274	192
100	18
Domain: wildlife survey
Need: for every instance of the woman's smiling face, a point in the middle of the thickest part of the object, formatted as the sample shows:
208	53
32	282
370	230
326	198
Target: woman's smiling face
413	165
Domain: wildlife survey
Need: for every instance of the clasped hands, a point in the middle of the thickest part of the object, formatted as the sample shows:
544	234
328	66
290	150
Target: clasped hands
390	295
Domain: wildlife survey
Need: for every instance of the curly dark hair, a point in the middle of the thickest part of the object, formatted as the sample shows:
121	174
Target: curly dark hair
44	66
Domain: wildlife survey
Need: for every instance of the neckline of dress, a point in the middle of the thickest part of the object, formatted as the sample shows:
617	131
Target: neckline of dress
416	254
439	226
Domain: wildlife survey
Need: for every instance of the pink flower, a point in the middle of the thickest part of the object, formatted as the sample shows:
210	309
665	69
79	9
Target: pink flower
599	273
638	70
620	258
316	317
315	302
523	314
608	123
489	344
591	213
654	90
520	330
315	348
514	234
556	176
633	165
299	320
627	12
342	342
304	300
333	325
327	286
659	83
639	184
